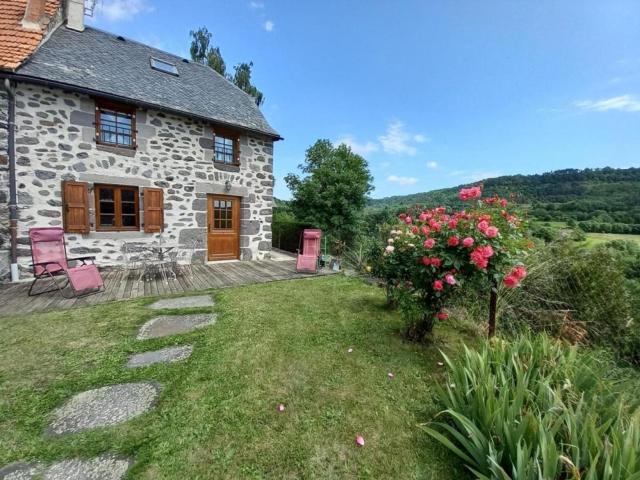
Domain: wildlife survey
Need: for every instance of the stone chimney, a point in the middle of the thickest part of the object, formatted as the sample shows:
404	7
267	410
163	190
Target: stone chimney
75	15
33	14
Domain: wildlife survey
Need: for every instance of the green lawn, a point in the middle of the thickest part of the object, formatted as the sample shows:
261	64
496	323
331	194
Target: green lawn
594	239
216	418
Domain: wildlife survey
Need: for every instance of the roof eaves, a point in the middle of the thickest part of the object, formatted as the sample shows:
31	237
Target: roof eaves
70	87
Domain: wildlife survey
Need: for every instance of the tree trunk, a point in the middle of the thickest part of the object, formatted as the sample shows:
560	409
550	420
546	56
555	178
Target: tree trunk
419	331
493	305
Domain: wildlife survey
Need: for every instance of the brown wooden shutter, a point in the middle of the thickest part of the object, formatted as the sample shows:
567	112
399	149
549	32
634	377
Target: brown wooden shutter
153	210
75	204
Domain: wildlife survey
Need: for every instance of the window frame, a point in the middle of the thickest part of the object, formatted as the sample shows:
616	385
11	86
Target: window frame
121	108
228	134
117	208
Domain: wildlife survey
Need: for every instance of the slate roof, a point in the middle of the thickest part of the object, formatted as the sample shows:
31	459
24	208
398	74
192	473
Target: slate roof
16	42
98	62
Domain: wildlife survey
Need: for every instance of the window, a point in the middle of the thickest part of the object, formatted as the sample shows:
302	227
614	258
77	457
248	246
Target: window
223	214
115	126
116	208
163	66
225	147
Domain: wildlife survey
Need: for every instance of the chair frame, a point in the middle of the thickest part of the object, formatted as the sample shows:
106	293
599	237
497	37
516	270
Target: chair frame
53	275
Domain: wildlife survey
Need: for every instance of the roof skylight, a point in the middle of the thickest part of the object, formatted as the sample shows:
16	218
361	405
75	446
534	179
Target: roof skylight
163	66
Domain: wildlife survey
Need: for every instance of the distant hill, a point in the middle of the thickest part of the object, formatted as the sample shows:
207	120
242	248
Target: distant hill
601	199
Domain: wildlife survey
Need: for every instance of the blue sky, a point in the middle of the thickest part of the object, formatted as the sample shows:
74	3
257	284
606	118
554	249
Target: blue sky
432	93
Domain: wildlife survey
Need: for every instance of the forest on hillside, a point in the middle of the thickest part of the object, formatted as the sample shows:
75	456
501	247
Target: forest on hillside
597	200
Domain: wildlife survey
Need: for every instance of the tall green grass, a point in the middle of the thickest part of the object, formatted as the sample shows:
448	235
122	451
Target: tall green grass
535	408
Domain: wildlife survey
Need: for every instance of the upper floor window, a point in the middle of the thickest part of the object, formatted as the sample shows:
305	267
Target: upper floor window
163	66
116	124
226	147
117	207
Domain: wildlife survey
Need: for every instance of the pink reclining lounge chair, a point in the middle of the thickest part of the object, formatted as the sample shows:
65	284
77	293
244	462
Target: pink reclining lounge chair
308	257
50	261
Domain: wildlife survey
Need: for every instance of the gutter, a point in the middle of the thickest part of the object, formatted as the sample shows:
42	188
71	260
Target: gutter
138	103
10	86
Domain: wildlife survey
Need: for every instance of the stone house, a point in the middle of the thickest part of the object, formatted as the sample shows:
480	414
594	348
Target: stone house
121	142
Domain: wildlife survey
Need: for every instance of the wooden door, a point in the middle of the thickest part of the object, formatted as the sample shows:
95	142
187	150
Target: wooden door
223	221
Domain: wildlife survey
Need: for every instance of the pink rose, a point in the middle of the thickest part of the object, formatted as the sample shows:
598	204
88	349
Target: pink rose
487	251
414	229
453	224
408	220
450	279
483	225
426	261
442	315
453	241
468	242
519	272
425	230
423	217
469	193
491	232
429	243
438	285
436	262
503	202
510	281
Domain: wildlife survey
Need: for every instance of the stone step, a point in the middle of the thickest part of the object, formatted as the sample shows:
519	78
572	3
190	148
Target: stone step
164	355
166	325
183	302
104	467
103	407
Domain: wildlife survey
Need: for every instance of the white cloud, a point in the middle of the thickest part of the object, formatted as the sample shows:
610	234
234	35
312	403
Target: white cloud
402	180
118	10
359	148
432	165
474	175
256	5
397	141
269	25
623	103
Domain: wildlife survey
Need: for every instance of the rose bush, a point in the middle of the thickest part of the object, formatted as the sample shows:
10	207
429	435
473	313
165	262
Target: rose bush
433	253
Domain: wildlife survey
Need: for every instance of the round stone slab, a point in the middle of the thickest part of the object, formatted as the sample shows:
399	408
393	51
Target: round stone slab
166	325
104	467
165	355
183	302
103	407
21	471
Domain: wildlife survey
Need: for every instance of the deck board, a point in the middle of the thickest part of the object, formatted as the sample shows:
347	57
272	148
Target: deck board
123	285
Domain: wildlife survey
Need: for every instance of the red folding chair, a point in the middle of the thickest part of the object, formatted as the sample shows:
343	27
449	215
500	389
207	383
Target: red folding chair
308	255
49	261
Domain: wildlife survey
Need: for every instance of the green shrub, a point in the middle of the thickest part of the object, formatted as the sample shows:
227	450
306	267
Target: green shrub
286	234
574	293
537	409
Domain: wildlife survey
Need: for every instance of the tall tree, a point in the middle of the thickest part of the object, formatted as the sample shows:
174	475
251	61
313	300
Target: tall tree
242	79
202	52
333	192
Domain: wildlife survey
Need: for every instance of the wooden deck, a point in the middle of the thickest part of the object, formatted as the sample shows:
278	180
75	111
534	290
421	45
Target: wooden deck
123	285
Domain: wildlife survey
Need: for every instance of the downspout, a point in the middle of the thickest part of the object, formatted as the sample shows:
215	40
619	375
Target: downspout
9	86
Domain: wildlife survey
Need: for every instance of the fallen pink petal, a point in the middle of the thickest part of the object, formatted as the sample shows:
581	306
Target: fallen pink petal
350	350
281	408
360	441
390	375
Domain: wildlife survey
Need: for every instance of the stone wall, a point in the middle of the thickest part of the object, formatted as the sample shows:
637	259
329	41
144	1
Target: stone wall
5	259
55	142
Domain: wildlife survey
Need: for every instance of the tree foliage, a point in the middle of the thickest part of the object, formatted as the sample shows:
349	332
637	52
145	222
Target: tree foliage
202	52
600	199
333	191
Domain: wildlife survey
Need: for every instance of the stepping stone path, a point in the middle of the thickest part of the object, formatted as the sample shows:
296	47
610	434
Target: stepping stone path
104	467
183	302
114	404
165	325
165	355
103	407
